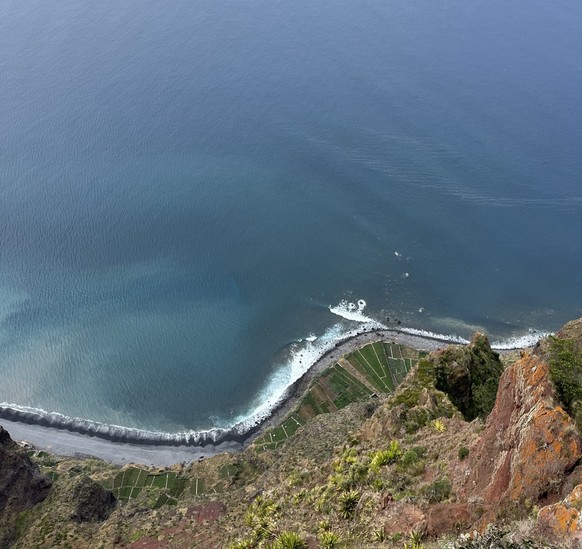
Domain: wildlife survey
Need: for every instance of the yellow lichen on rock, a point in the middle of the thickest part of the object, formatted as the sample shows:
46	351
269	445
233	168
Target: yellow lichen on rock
562	520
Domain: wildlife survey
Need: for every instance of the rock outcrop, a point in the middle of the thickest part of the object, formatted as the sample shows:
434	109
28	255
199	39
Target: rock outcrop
21	485
468	375
561	520
88	500
529	445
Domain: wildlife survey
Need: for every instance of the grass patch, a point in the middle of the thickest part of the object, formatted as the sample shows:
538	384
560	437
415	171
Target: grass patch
566	374
130	483
379	365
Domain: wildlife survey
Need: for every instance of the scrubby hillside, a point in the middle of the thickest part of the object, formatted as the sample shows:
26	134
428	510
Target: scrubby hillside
467	451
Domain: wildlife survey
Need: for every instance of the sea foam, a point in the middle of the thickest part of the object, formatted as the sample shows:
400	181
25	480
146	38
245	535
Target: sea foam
351	311
301	356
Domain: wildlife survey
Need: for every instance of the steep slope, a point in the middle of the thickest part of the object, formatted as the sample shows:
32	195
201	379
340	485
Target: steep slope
378	472
21	486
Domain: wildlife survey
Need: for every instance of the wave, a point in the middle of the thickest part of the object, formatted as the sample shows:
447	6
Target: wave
520	342
508	344
118	433
351	311
451	338
301	356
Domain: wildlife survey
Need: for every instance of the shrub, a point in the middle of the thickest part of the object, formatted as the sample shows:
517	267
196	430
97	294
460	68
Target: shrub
411	461
463	453
348	502
329	540
290	540
261	518
384	457
439	490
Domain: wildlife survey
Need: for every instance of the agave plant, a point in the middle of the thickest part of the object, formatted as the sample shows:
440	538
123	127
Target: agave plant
290	540
348	502
329	540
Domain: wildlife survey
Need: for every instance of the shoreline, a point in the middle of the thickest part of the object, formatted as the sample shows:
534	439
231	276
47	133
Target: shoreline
62	441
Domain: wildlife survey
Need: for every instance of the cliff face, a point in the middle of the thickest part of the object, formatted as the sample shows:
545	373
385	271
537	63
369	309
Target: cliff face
527	457
406	464
21	485
529	444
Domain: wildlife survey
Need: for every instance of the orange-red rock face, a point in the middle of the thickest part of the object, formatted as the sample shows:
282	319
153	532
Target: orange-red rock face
562	520
528	445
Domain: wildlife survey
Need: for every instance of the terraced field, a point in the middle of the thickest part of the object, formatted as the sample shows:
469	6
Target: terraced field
373	369
161	489
165	488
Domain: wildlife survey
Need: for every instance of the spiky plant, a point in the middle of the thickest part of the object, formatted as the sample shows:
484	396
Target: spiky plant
290	540
348	502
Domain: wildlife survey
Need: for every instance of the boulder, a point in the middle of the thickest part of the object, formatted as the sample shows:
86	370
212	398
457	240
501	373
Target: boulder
561	521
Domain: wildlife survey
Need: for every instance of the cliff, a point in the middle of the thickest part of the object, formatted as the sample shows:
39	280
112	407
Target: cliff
21	486
468	450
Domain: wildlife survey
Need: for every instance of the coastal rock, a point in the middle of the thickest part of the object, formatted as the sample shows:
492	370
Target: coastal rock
529	444
572	330
468	375
21	484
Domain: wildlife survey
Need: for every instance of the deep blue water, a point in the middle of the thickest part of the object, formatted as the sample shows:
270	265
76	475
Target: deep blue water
185	187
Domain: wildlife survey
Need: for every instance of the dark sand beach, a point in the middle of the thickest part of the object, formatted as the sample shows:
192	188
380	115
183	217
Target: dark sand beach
67	443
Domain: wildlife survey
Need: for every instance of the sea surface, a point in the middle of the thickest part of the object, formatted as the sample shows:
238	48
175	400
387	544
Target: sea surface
193	192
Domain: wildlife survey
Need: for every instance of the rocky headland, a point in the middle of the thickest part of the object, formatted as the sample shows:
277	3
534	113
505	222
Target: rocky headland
471	450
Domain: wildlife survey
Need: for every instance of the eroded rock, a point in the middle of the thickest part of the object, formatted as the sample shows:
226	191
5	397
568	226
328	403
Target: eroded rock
21	484
529	443
561	521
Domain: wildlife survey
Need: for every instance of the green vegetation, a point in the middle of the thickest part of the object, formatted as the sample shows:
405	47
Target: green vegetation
437	491
384	457
469	375
290	540
161	489
329	540
463	453
566	373
348	501
375	368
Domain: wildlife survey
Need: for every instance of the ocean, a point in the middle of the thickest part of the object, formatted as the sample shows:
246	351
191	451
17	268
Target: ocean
192	193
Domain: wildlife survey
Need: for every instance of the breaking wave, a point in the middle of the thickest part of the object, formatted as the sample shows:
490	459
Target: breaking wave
511	343
117	433
300	357
351	311
519	342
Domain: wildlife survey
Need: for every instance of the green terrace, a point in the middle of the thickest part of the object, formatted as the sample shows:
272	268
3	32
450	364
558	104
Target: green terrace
166	488
371	370
376	368
160	489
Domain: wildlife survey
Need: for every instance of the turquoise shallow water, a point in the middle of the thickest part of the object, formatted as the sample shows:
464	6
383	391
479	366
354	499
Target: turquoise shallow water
185	189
